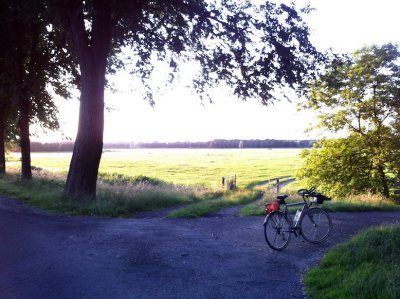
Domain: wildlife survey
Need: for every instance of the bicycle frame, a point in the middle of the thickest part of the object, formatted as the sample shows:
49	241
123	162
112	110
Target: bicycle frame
305	207
295	226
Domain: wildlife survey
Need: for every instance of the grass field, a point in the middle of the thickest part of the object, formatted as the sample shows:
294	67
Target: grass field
196	167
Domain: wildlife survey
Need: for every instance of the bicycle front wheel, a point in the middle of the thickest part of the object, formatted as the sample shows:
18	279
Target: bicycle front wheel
277	229
315	225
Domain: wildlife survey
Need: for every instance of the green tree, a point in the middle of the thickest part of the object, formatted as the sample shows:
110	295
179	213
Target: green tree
358	96
339	166
32	60
2	140
252	48
8	130
3	122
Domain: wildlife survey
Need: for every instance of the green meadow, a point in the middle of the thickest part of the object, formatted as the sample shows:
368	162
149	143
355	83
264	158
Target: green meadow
132	181
192	167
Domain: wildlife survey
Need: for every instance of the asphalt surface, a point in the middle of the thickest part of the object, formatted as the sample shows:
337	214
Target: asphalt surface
222	256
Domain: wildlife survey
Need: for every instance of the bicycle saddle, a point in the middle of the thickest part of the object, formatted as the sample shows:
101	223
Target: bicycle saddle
282	198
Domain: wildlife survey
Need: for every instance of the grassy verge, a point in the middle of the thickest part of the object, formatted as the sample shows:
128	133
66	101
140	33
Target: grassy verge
363	202
368	266
258	208
202	208
355	203
116	196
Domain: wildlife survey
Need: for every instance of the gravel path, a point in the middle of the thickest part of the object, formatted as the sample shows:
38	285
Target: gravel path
225	256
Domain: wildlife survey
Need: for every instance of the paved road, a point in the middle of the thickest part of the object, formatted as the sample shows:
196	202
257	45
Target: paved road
55	256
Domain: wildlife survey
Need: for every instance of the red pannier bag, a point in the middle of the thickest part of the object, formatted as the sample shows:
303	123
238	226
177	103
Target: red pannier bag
272	207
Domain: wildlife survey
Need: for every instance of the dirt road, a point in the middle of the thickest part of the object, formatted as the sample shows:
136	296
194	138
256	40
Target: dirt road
55	256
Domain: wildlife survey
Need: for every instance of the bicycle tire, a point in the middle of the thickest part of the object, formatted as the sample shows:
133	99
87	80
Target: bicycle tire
277	230
315	225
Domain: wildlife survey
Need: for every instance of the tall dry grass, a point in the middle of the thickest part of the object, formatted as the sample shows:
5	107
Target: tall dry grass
116	196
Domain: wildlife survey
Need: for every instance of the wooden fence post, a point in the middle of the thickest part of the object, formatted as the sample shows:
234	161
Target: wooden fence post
397	192
229	182
277	186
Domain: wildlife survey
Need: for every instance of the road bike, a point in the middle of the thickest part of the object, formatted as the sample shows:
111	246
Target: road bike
312	223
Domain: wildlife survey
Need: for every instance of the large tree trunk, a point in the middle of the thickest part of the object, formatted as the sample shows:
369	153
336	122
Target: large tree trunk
83	170
92	58
23	105
383	179
25	143
2	143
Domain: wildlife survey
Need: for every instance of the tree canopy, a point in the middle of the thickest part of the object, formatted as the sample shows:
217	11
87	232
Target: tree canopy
32	61
253	48
360	97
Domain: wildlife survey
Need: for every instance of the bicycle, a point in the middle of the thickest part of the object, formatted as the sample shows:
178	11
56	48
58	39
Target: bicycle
312	223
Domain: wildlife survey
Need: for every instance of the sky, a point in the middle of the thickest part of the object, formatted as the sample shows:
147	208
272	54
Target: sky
179	115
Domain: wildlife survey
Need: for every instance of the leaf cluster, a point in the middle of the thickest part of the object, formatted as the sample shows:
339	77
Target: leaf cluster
253	48
340	167
34	65
359	93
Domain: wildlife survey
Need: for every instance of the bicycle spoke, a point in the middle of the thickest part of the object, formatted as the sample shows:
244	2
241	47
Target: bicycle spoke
315	225
276	230
276	234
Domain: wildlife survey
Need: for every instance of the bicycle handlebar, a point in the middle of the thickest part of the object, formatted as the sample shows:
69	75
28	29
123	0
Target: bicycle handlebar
307	193
316	196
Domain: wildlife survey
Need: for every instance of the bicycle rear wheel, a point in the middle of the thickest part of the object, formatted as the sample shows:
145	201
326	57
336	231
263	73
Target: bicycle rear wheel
315	225
277	228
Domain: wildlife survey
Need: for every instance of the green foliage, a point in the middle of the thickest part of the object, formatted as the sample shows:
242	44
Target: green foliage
33	61
365	267
339	167
358	96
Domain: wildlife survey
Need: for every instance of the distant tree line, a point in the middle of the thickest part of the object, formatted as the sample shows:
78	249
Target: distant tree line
217	143
231	143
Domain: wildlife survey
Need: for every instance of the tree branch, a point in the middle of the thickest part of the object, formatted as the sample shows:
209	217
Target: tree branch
76	28
102	27
201	12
